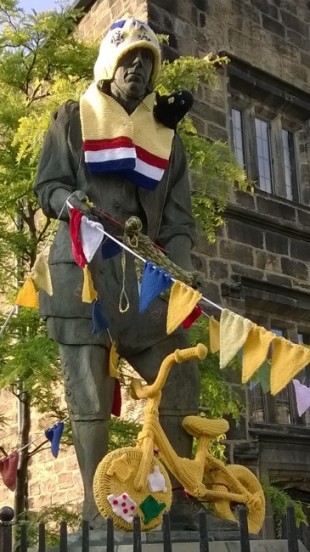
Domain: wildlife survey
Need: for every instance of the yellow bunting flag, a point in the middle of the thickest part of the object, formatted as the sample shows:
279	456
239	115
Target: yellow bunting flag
41	274
286	361
255	351
214	335
113	362
182	301
27	295
89	294
234	330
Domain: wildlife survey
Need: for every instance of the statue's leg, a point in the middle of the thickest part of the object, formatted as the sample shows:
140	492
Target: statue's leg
180	398
89	395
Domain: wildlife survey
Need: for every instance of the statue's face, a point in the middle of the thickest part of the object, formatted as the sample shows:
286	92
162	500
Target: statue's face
133	73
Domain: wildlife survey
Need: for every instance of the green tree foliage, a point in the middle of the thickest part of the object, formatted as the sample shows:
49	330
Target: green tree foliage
217	398
279	502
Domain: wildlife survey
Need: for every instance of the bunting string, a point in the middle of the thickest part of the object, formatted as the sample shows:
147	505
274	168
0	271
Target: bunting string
135	254
33	441
9	463
232	334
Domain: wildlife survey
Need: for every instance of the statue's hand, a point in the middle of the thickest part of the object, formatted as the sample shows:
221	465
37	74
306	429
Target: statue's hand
79	200
197	280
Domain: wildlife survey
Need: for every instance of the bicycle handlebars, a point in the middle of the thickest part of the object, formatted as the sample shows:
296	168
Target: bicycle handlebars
200	351
180	355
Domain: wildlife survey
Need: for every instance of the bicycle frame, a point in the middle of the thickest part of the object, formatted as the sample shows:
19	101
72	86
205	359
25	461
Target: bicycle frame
189	472
204	477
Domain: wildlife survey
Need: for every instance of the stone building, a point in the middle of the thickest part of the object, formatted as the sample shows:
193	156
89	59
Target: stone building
259	266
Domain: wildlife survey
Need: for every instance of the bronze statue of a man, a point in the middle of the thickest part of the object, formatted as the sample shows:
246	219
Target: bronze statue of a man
109	148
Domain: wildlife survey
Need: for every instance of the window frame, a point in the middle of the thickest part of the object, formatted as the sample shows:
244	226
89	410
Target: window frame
250	111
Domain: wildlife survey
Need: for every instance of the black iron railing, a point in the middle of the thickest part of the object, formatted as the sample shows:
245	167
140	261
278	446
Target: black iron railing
7	522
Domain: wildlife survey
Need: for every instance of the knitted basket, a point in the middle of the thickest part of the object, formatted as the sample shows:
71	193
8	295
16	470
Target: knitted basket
122	482
256	507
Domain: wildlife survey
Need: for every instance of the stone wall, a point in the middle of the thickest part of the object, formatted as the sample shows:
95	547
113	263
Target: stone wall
270	34
264	238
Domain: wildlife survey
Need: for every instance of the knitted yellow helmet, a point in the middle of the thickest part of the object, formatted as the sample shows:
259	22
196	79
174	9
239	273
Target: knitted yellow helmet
125	35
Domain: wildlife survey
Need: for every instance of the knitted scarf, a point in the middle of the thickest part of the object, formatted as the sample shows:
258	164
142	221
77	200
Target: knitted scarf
135	145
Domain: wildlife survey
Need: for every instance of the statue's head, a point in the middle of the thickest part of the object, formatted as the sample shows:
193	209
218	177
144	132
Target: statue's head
129	58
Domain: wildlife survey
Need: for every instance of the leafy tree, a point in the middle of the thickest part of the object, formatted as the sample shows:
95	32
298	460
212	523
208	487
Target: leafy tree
42	64
279	502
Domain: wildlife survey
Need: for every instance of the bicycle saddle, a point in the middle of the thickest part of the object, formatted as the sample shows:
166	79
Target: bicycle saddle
196	426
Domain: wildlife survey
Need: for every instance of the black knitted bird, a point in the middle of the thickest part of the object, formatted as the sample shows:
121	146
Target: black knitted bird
169	110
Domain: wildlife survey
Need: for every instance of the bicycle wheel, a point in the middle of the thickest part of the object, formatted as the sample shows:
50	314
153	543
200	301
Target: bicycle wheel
256	507
121	484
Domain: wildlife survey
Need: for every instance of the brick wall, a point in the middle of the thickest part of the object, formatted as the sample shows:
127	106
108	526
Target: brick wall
51	481
103	12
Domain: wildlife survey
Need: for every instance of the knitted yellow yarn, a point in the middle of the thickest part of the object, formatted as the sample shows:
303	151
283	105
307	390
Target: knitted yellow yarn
234	330
127	460
255	351
286	361
223	480
113	362
126	470
197	426
27	295
41	274
182	301
214	335
102	117
89	294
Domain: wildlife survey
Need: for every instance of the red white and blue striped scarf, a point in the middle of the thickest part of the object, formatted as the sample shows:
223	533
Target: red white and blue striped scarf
135	145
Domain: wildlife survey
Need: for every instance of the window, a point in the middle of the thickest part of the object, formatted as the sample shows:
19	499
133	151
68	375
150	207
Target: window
269	129
283	413
263	154
280	409
271	162
304	377
288	160
238	135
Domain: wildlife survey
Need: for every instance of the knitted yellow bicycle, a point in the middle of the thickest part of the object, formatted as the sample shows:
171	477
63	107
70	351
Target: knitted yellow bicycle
133	480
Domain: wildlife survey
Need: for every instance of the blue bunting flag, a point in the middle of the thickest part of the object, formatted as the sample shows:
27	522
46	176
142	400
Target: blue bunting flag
54	434
154	281
99	320
110	248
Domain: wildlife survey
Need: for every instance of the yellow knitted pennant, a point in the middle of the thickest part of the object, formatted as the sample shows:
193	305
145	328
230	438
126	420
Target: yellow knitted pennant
89	294
27	295
182	301
41	274
113	362
255	350
286	361
214	335
234	330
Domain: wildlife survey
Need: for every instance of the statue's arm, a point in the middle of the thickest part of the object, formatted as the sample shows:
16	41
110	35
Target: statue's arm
56	175
177	231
